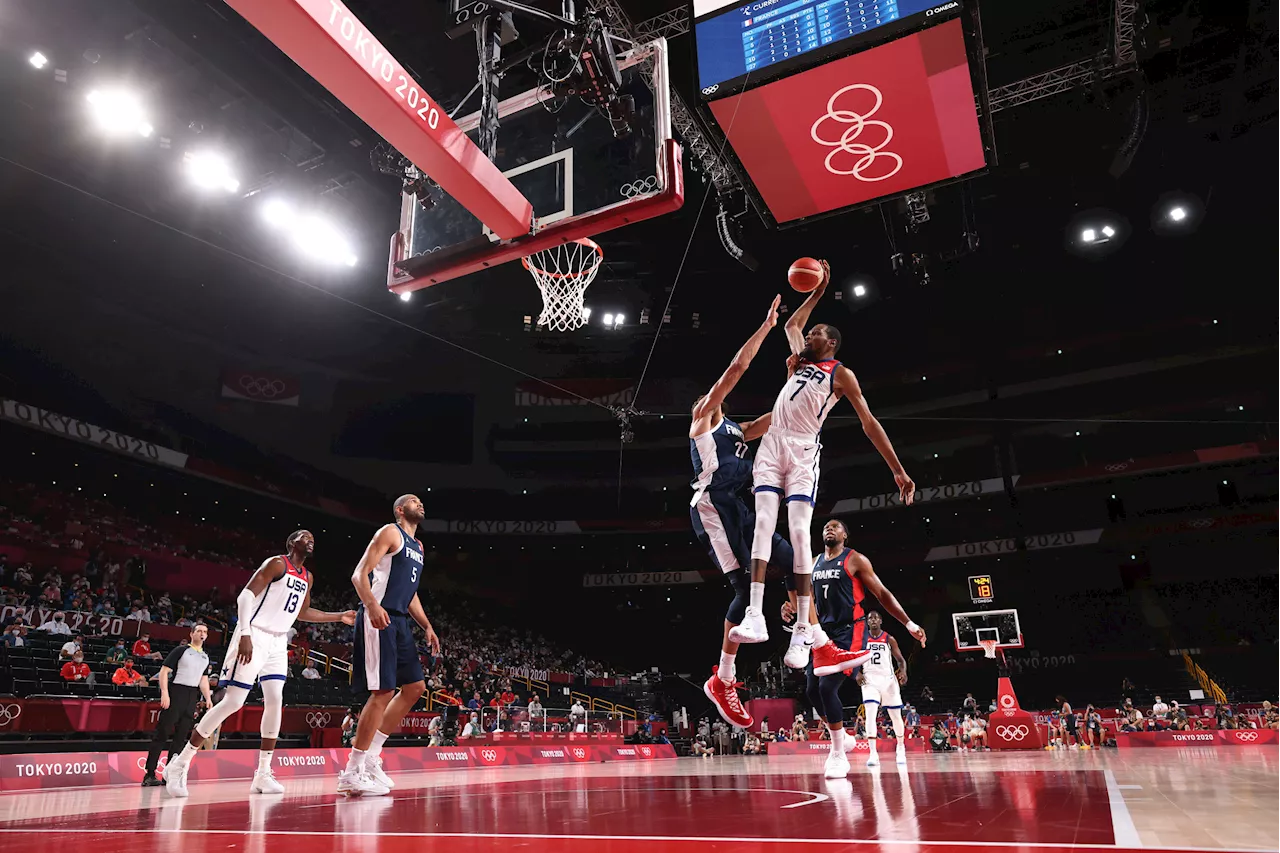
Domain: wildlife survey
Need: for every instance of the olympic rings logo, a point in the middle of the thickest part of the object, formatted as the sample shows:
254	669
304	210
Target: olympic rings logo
318	719
639	187
1247	736
579	752
1016	733
9	713
261	386
142	763
711	90
866	154
490	755
1116	466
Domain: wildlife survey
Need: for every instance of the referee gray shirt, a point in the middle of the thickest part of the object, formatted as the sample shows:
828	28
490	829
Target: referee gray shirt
188	666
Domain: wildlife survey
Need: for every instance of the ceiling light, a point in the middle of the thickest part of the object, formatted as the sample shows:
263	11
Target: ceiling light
210	171
1108	231
1177	214
1088	235
118	113
608	319
405	297
859	290
278	212
38	60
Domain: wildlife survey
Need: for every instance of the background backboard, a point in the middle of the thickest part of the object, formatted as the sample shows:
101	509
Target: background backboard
1000	625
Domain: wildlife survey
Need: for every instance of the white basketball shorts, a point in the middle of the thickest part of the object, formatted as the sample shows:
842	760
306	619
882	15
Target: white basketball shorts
883	691
788	464
270	659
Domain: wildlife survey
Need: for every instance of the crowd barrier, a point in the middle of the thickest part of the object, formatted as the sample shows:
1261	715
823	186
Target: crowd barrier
87	769
1226	737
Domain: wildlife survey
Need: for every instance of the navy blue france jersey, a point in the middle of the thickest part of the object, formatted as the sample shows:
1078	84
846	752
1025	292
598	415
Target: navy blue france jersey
837	593
395	579
721	460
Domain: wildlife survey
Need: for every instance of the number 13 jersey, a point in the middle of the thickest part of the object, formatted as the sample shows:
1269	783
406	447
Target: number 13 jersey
277	608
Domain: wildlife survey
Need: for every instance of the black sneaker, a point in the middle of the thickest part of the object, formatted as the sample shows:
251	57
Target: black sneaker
150	781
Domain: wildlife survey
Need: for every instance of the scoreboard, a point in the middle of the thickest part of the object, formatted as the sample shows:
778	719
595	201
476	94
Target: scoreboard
980	589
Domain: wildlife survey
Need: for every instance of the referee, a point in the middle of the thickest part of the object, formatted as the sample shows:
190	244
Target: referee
189	666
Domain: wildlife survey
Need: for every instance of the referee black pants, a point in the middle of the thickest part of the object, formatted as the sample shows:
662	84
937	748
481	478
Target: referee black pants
176	722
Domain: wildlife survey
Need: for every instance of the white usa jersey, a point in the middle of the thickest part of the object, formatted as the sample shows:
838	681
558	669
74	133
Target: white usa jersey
278	606
806	399
880	667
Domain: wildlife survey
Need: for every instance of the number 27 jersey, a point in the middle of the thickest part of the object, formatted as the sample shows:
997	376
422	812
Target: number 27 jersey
278	608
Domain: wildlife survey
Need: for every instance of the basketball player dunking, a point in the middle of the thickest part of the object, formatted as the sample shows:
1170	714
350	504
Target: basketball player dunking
278	594
841	580
722	520
787	467
386	655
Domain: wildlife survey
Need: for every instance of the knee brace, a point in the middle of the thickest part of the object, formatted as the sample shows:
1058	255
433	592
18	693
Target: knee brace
799	520
766	522
232	701
741	583
272	707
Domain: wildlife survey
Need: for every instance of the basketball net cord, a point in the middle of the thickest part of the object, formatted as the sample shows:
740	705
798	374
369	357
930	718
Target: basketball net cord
988	647
563	274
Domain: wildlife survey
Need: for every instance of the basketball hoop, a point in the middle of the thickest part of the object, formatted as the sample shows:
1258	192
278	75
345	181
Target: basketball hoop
563	274
988	647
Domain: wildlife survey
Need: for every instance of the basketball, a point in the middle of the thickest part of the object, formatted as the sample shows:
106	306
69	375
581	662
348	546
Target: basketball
805	274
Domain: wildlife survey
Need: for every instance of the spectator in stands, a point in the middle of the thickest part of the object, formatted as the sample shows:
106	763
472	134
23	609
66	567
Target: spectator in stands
22	576
57	625
13	636
969	704
475	703
752	745
76	671
1270	717
472	728
1201	725
116	654
912	719
508	697
536	710
127	676
71	647
1132	722
1159	714
139	613
309	672
578	717
799	731
142	648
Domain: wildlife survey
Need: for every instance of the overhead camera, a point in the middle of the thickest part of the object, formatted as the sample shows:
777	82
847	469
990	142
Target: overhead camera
388	161
595	76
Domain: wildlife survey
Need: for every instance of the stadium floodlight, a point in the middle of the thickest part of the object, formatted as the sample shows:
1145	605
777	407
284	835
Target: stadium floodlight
1088	235
278	212
859	290
210	171
608	320
586	314
619	319
1108	231
317	237
38	60
405	297
1177	214
118	113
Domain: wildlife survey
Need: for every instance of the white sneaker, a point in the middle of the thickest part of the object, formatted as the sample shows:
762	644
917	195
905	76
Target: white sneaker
373	767
901	757
265	782
873	760
837	766
752	630
797	656
175	777
850	744
357	782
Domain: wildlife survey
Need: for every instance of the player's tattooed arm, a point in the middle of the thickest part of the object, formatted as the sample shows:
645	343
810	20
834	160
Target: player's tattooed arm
847	385
712	400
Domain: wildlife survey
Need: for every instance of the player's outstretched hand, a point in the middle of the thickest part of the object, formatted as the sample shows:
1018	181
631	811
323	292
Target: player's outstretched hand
378	617
788	611
349	618
918	633
771	319
906	488
245	653
826	273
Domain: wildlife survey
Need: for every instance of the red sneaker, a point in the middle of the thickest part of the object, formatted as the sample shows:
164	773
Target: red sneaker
725	698
829	659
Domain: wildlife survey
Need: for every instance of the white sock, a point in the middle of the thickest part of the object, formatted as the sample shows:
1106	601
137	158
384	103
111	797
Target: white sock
379	738
726	667
802	609
820	637
757	595
356	762
264	760
837	741
188	752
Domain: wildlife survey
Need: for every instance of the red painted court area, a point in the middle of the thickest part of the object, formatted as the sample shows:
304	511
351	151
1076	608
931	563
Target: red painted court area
983	802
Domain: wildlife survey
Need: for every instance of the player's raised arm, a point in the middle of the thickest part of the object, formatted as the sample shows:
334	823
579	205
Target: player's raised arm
847	384
384	542
797	322
741	361
862	567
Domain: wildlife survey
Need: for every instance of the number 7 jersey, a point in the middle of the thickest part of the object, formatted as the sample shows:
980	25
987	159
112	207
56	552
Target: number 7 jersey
806	400
278	606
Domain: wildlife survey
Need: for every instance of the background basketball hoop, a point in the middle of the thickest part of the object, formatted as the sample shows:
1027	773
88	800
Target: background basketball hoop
563	274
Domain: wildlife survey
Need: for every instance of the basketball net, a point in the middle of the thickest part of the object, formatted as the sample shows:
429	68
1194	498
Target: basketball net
988	647
563	274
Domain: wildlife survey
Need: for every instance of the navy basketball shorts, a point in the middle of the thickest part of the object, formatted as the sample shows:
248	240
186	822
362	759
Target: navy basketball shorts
725	526
386	659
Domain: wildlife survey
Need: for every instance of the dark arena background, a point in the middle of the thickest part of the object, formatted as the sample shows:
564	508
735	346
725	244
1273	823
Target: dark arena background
269	265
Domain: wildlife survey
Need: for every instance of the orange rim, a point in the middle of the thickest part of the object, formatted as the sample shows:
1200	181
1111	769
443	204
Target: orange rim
581	241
